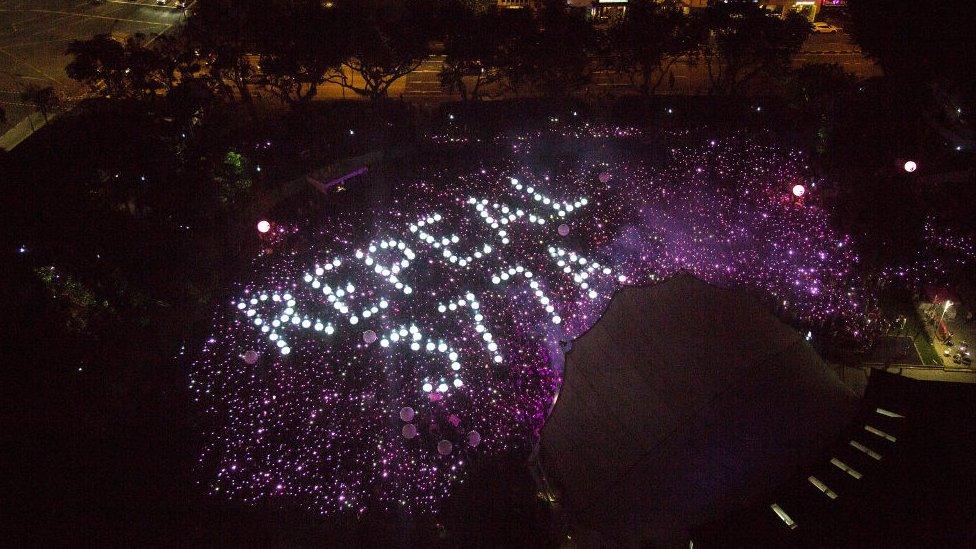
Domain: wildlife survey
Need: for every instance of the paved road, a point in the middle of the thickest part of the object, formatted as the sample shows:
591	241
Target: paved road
837	48
819	48
426	79
34	34
963	338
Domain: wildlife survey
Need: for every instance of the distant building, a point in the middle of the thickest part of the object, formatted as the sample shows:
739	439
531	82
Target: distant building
516	4
609	10
808	8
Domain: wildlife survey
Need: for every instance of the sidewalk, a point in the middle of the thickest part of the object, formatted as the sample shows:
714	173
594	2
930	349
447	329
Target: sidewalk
954	375
23	129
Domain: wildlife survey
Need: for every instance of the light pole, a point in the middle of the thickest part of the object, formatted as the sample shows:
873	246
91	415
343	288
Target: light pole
945	308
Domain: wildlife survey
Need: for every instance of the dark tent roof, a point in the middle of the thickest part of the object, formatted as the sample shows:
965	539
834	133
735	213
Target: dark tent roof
683	402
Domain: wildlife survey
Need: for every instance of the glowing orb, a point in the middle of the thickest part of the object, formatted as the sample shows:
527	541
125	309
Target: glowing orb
251	356
264	226
444	447
910	166
563	229
799	190
407	413
369	336
474	439
409	431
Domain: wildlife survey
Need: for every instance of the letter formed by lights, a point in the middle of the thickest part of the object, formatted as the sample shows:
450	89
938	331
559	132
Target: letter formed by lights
582	270
388	258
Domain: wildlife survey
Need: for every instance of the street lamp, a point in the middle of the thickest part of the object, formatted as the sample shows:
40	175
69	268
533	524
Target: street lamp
944	309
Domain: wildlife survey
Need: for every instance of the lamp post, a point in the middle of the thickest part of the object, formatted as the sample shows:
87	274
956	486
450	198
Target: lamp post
945	308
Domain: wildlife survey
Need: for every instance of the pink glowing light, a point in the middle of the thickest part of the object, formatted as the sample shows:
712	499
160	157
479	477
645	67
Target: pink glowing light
445	447
799	190
407	413
491	279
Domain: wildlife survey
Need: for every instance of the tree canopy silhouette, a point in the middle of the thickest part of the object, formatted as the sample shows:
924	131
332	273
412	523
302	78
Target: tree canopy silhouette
920	43
652	36
747	42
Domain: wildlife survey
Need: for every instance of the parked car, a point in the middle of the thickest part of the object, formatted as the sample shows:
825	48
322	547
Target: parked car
825	28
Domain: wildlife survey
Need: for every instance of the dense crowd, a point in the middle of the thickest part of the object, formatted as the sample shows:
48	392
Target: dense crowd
363	365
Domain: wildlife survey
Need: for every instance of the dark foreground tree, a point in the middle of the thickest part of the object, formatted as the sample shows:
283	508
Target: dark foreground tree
223	32
747	43
129	69
301	42
45	99
519	28
472	50
818	89
552	56
382	41
816	93
650	39
922	44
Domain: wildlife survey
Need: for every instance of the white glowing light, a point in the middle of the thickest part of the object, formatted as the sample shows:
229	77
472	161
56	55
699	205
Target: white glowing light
264	226
910	166
498	217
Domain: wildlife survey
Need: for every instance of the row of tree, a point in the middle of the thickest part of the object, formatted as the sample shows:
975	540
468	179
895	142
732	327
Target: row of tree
231	48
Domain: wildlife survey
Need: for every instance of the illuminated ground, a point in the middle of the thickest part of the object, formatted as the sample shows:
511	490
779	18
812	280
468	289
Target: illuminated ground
361	365
35	33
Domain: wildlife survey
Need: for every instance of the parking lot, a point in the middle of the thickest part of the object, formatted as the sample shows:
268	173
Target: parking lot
35	33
